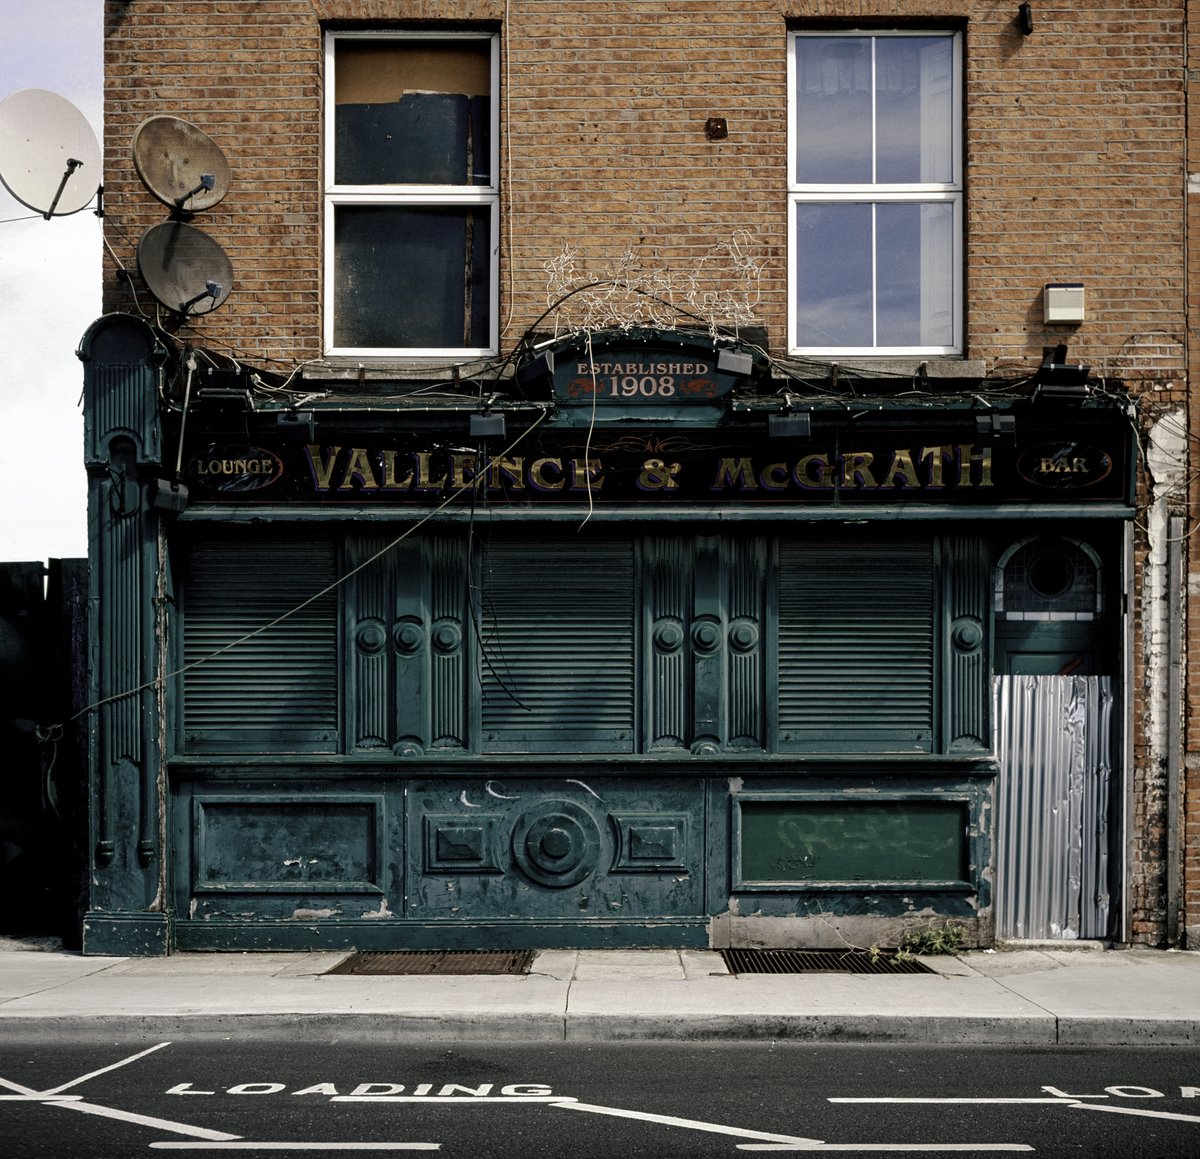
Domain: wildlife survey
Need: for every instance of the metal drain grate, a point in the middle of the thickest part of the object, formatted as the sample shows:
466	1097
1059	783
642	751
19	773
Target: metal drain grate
821	962
436	962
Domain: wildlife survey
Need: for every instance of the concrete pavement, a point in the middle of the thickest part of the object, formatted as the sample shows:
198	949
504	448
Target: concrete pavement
1032	994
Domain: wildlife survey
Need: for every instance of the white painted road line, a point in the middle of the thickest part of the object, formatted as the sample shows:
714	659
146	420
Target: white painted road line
1135	1111
461	1100
691	1124
113	1113
105	1069
970	1148
146	1121
21	1090
246	1145
951	1100
36	1098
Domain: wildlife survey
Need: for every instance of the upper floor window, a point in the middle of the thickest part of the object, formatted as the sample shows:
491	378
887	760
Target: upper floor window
411	194
875	193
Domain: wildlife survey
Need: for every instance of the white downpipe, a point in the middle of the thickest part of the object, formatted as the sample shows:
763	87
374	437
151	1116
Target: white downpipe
1167	463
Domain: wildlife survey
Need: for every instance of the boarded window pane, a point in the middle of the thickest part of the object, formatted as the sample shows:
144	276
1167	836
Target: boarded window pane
412	276
415	111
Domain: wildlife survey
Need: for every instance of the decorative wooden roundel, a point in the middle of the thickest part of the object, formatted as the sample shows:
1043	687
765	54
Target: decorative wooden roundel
556	844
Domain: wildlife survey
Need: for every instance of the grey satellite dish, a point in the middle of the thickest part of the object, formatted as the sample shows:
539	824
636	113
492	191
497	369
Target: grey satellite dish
181	165
49	156
185	269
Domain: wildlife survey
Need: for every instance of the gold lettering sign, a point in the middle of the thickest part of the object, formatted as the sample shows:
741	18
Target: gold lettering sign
902	471
907	469
235	469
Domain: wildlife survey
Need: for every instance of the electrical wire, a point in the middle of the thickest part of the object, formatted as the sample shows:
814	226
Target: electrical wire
472	485
587	446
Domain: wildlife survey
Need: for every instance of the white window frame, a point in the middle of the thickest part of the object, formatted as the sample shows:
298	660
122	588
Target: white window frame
413	196
950	192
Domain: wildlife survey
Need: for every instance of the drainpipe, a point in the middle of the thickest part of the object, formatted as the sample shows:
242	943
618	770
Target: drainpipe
1123	871
1176	612
1163	612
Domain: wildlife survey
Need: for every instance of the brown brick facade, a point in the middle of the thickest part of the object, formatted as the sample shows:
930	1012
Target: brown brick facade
1078	143
1073	140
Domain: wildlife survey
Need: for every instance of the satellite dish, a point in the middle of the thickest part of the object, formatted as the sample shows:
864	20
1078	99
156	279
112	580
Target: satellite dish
49	156
185	269
181	165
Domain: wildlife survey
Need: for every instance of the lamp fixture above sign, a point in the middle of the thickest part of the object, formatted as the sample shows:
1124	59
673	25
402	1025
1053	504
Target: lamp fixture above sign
1057	379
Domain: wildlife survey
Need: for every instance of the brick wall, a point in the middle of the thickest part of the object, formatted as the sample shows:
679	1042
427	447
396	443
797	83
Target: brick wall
1075	140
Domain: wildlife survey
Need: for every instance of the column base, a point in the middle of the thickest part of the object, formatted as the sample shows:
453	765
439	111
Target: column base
126	935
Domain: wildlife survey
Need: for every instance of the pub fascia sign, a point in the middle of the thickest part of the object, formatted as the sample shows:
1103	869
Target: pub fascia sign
639	467
645	379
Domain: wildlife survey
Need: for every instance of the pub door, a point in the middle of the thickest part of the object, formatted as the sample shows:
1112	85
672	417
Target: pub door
1054	696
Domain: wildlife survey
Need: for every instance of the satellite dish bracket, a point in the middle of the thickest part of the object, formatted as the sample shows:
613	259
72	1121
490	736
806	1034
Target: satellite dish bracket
207	183
72	165
211	290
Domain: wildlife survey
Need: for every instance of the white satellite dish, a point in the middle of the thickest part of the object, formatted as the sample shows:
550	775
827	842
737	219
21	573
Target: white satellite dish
49	156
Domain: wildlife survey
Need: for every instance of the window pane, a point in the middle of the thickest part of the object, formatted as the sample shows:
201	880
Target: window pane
833	110
412	112
914	245
914	101
412	277
833	275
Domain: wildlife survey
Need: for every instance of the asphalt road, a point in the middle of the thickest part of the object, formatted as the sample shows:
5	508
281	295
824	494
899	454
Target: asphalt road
602	1101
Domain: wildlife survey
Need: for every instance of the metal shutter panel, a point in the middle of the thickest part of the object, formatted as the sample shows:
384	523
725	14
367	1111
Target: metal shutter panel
247	685
556	633
856	647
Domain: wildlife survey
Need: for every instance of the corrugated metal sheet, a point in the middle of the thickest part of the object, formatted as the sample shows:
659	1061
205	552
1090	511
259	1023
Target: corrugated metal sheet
1054	742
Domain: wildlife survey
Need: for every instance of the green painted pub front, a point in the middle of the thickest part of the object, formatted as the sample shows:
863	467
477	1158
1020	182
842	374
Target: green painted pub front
639	648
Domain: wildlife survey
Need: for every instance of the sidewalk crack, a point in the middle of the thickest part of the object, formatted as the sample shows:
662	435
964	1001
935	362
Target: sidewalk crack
59	985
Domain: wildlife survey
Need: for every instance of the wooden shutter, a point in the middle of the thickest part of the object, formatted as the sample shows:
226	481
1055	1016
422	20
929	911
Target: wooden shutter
247	685
856	647
556	643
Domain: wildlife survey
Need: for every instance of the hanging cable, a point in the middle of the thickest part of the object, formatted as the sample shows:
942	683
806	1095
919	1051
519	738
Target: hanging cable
466	486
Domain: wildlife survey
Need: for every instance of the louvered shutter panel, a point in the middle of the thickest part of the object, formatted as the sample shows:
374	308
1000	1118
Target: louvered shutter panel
556	628
856	647
245	688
